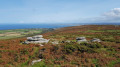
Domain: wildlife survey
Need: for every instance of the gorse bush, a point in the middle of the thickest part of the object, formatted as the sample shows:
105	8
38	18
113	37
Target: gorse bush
0	55
92	45
1	61
69	48
83	47
55	48
109	40
24	51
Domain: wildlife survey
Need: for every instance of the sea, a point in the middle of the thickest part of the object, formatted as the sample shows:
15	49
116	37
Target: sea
31	26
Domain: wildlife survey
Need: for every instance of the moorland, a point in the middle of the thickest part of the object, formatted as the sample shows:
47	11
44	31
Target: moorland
66	52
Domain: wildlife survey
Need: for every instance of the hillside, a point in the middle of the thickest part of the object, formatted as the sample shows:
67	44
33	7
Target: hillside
17	33
105	53
63	50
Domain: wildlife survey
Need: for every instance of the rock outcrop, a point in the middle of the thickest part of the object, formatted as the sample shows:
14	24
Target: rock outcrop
81	39
36	39
95	40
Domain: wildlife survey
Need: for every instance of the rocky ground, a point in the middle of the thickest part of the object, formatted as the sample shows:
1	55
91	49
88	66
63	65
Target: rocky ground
101	48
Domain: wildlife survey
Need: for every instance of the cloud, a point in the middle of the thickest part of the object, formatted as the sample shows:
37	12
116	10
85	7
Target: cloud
107	17
113	13
64	17
110	16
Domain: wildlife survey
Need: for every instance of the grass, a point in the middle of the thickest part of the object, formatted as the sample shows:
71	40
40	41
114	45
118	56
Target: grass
25	64
95	61
8	34
10	37
66	54
93	31
112	63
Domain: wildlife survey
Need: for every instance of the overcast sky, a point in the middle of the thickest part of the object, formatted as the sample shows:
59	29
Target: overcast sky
59	11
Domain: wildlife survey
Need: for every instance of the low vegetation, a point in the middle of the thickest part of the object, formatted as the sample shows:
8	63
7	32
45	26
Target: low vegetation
67	53
91	54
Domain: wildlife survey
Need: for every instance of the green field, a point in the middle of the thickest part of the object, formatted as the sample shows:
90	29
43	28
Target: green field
8	34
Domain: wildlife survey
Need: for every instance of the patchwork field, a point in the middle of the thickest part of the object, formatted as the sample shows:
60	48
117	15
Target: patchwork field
8	34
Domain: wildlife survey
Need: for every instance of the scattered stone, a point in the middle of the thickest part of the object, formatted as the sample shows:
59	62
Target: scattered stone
35	61
55	42
95	40
41	45
81	39
67	41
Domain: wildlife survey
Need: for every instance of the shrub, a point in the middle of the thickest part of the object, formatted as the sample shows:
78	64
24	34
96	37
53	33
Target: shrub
1	61
86	48
109	40
82	49
69	48
55	48
96	45
7	65
0	55
16	58
110	49
24	51
92	45
95	61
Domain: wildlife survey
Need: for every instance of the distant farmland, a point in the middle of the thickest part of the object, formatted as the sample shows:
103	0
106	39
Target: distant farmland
8	34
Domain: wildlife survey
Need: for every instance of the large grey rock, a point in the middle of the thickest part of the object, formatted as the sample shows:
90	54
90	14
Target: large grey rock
95	40
29	38
67	41
36	39
81	39
38	36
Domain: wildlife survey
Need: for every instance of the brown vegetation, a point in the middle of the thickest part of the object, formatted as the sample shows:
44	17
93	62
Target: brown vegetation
103	54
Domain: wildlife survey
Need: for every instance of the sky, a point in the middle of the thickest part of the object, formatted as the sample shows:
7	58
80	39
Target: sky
59	11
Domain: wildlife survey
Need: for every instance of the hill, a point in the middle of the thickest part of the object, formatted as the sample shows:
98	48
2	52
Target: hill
63	50
71	54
